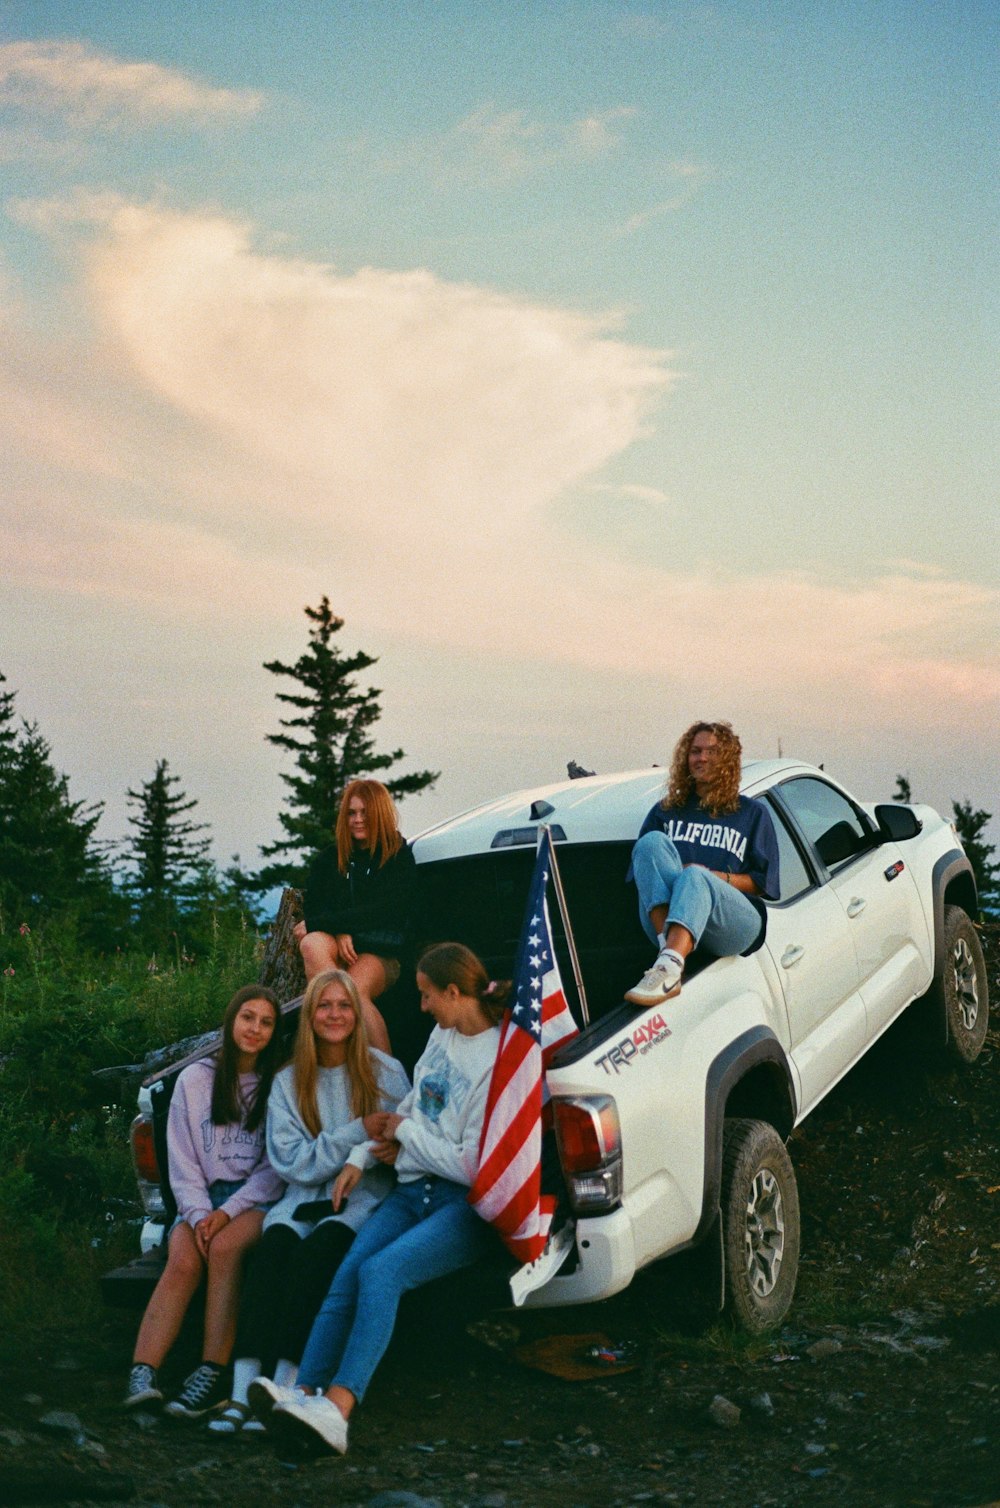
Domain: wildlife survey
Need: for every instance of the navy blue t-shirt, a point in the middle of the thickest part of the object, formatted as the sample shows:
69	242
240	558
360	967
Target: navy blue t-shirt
740	842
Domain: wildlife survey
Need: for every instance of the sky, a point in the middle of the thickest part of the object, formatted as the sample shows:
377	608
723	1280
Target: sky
608	365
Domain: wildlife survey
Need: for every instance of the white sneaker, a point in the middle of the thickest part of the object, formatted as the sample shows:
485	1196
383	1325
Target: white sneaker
265	1396
316	1417
661	982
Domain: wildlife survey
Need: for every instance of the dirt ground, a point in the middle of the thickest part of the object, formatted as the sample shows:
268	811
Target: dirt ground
883	1388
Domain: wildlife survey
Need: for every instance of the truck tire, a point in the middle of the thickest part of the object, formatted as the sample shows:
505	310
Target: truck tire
760	1224
960	988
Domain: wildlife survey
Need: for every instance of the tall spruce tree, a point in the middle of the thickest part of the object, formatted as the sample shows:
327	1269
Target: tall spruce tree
171	879
329	735
50	861
970	826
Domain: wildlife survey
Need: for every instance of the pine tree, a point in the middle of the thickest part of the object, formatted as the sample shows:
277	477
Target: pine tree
171	878
332	745
50	861
970	825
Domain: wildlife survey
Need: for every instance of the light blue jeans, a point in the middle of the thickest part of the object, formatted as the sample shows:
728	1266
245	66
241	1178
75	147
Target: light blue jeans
422	1231
712	911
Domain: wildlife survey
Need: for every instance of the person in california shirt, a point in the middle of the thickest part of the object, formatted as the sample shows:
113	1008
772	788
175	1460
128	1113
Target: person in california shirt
704	859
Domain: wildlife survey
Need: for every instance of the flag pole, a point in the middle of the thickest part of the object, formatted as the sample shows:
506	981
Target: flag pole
568	930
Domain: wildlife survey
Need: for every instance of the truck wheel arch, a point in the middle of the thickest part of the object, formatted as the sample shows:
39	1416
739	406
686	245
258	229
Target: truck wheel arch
952	884
751	1078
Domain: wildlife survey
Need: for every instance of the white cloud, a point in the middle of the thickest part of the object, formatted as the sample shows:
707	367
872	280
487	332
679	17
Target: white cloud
506	145
395	400
691	175
634	490
97	87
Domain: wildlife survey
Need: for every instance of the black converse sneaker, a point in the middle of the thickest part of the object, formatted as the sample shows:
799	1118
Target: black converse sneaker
142	1386
203	1392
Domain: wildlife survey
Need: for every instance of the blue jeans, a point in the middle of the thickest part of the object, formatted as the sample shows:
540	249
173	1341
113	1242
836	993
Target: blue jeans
421	1231
706	906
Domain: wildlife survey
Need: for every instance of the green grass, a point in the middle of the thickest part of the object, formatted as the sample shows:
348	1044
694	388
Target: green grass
68	1201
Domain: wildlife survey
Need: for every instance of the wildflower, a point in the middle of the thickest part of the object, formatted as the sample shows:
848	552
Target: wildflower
24	929
9	972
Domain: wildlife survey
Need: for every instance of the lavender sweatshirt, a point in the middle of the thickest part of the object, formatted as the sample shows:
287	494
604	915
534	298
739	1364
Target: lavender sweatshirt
200	1153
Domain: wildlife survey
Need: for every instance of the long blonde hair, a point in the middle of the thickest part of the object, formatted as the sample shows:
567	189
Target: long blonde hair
724	795
361	1072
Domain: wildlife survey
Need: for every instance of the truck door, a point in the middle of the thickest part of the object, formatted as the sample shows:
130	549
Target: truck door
810	949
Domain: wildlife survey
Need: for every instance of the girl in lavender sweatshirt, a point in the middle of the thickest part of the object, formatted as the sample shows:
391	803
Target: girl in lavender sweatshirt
223	1183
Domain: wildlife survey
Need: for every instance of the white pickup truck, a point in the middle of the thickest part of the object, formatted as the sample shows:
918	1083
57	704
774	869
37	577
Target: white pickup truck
671	1123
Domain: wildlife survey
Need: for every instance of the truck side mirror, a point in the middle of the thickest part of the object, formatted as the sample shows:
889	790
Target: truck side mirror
897	823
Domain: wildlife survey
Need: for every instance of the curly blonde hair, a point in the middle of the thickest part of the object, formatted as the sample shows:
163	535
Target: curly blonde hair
724	793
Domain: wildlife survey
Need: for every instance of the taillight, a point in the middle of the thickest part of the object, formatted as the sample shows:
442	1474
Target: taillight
144	1150
147	1169
590	1150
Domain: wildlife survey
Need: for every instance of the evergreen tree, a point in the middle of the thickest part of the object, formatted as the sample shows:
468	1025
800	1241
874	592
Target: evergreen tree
171	878
330	738
970	825
50	862
903	791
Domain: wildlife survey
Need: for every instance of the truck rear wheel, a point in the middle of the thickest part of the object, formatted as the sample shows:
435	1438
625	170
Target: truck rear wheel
760	1224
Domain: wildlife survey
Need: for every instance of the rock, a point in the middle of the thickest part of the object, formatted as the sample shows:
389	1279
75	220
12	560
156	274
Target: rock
402	1499
762	1403
61	1422
814	1448
591	1449
821	1349
499	1335
723	1413
12	1437
32	1399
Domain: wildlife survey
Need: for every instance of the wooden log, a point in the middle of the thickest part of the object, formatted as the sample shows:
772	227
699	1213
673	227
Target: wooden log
281	969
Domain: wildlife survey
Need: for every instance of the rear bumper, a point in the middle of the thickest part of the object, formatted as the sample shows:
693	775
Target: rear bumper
131	1286
604	1264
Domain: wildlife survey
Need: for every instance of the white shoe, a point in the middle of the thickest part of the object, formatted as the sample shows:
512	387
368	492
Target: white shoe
661	982
537	1273
265	1396
316	1417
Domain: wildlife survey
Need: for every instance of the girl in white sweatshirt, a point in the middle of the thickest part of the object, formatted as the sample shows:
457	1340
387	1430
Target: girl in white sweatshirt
423	1230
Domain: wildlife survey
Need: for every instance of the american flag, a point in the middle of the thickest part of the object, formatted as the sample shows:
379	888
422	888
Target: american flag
507	1188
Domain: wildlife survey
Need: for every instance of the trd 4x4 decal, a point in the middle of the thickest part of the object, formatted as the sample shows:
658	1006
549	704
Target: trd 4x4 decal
652	1031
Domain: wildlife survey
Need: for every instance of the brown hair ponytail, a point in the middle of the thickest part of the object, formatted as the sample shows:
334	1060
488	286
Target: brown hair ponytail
453	963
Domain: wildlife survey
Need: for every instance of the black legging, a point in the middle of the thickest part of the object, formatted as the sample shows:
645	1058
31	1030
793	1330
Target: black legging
287	1279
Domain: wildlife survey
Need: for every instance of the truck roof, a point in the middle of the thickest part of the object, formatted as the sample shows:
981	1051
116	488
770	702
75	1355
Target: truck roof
591	809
